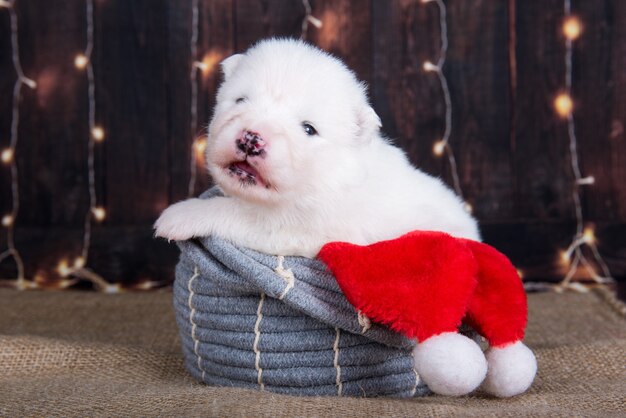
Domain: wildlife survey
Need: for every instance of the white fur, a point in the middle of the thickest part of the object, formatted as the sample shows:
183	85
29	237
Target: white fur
450	364
346	184
511	371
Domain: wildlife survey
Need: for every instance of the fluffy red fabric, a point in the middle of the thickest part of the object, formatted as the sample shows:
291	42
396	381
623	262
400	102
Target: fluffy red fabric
419	284
498	309
424	283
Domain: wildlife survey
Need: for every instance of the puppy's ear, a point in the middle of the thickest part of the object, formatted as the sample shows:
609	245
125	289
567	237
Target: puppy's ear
229	64
369	122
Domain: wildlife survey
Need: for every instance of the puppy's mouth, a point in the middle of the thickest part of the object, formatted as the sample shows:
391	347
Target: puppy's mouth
246	173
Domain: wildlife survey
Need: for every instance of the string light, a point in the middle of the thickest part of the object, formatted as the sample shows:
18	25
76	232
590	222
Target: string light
429	66
573	256
442	146
589	180
97	134
572	28
7	220
193	78
79	262
208	63
81	61
563	105
78	269
308	18
438	148
8	154
199	147
98	213
63	268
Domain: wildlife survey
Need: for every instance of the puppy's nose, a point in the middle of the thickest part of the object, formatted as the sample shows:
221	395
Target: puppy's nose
251	144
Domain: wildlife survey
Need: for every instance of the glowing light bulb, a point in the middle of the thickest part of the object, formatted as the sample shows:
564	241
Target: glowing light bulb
586	181
563	105
209	62
97	133
79	262
63	269
7	155
314	21
30	83
7	220
572	28
589	235
429	66
439	147
565	257
81	61
145	285
201	66
468	207
199	146
99	213
112	288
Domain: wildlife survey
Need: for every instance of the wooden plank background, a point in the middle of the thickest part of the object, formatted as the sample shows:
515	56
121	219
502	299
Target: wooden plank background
505	65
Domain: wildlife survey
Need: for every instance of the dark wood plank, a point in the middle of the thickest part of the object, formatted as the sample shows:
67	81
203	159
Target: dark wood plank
534	247
178	98
511	147
346	32
6	100
477	69
541	160
127	254
131	74
617	108
215	42
51	152
408	100
411	104
258	19
594	84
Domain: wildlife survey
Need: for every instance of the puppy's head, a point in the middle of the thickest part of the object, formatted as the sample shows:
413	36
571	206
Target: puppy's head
289	123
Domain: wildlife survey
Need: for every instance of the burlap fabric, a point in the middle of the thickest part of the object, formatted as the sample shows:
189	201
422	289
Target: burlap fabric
86	354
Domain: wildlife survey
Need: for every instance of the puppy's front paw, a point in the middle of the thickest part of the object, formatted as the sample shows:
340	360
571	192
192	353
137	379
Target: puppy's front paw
181	221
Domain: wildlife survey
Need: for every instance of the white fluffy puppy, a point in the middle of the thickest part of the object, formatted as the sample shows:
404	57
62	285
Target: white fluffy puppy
296	149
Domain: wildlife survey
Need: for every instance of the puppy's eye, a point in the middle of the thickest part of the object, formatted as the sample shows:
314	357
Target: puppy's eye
241	99
309	129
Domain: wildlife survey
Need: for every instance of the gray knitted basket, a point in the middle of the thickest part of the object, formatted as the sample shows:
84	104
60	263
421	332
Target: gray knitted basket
281	324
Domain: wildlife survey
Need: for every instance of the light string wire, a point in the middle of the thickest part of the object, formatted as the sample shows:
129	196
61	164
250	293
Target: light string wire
91	92
8	154
193	107
308	18
572	29
78	269
443	145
